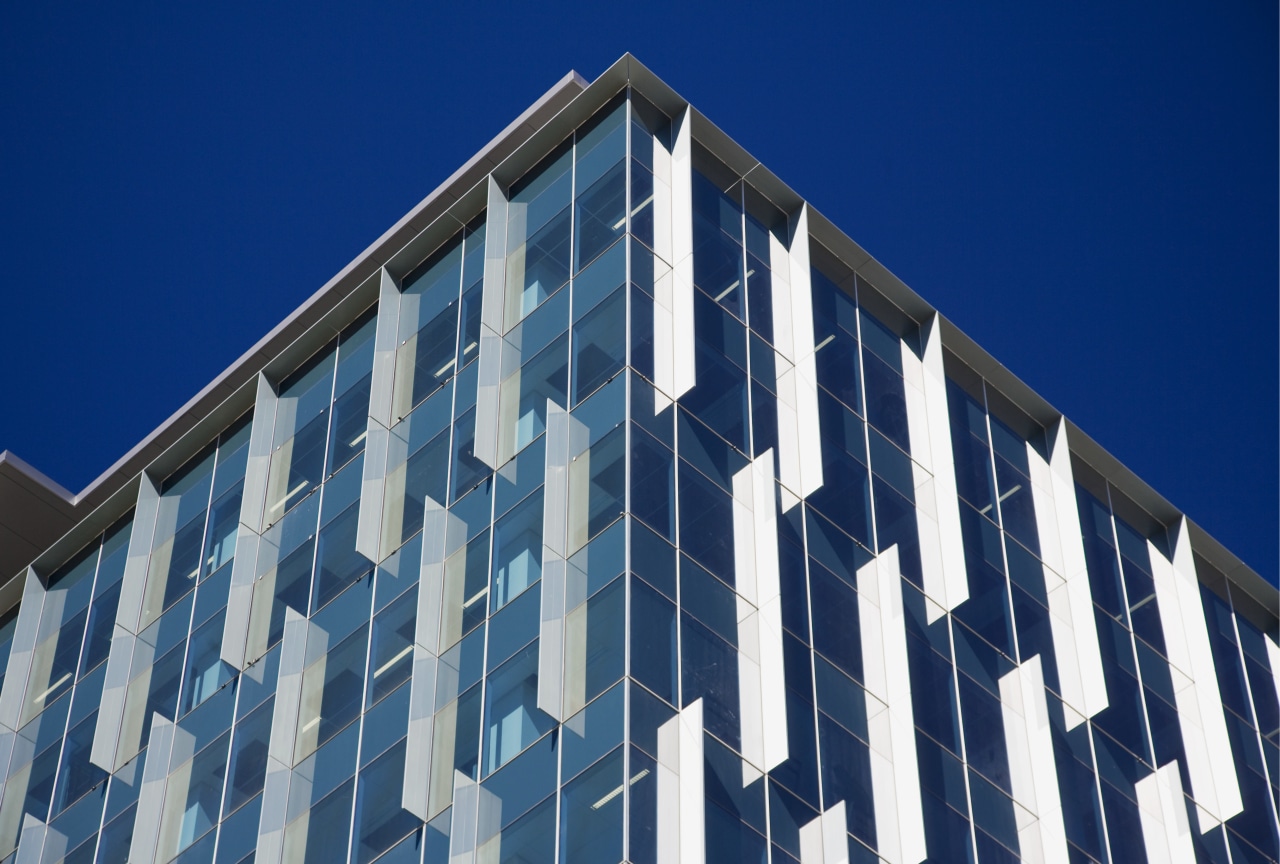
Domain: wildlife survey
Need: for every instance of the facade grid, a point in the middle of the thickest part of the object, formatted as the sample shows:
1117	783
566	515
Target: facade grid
627	512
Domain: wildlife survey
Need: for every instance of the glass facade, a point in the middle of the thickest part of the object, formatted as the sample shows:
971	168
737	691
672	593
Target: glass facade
630	524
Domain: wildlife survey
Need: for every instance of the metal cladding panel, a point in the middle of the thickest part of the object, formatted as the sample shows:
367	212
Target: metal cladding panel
134	583
258	466
683	368
555	508
443	533
890	715
681	788
761	671
115	692
385	342
235	626
281	747
155	771
25	637
1210	764
825	840
491	305
799	435
946	576
1033	773
1074	631
38	842
1162	810
373	484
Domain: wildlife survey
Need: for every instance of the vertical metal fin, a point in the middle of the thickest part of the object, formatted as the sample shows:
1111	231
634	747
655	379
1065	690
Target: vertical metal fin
890	717
761	674
825	840
1033	773
946	578
492	294
1166	831
1210	763
681	790
1071	622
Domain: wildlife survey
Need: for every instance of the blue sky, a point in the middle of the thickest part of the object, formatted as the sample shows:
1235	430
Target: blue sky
1089	190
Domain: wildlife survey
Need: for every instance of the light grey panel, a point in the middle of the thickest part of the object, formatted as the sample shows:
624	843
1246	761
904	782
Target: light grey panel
681	820
39	842
258	466
491	303
495	257
115	689
133	585
146	823
284	730
271	821
373	484
235	626
25	636
824	839
385	342
555	508
293	661
442	535
462	822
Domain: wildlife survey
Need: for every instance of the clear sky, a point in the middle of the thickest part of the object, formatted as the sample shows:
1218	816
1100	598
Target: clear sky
1089	190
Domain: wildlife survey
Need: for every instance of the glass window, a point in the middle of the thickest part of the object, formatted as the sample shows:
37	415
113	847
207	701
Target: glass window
517	551
601	212
591	814
599	352
301	432
523	405
332	693
513	720
338	564
248	763
380	821
391	658
206	672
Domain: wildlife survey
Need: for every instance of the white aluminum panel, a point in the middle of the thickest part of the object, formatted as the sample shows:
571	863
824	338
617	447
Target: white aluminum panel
155	771
284	732
825	840
683	340
25	637
417	756
258	465
134	582
463	820
111	708
373	483
926	496
235	626
39	842
1273	655
492	295
442	534
762	685
681	790
1032	769
890	716
1210	764
1071	621
385	342
805	369
1166	832
663	323
946	577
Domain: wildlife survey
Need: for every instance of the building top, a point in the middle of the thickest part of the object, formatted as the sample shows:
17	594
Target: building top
41	523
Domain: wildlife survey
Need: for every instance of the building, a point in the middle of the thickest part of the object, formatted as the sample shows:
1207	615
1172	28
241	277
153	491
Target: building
614	506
